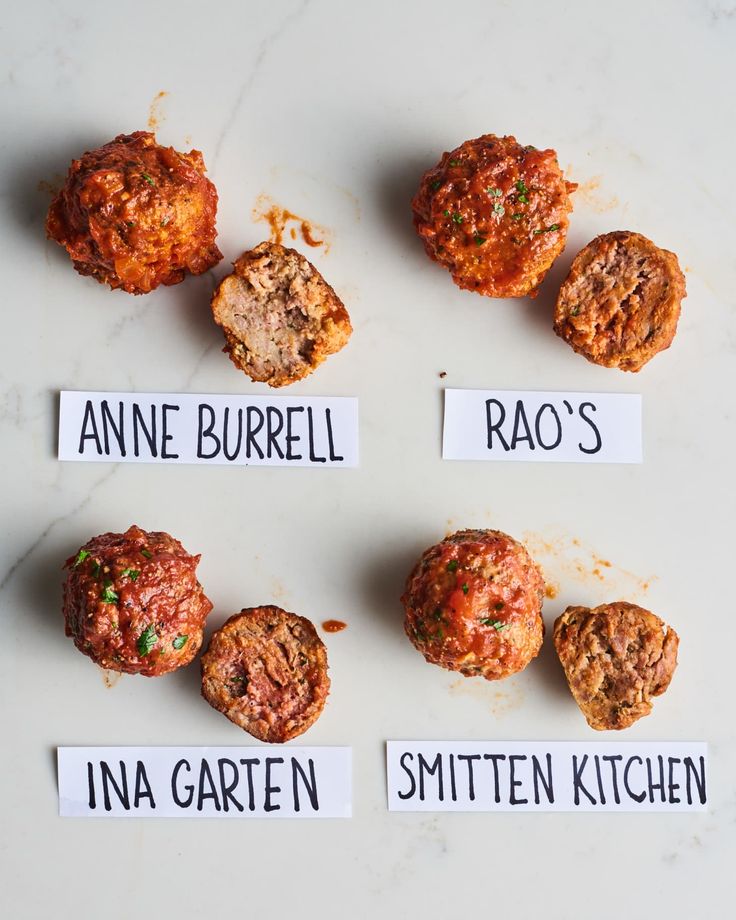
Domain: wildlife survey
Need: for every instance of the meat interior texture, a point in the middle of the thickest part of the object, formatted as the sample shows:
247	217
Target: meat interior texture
266	670
620	303
132	602
134	214
495	214
616	657
473	604
280	317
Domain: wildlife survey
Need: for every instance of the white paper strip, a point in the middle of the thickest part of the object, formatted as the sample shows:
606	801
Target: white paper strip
546	776
199	782
528	425
269	430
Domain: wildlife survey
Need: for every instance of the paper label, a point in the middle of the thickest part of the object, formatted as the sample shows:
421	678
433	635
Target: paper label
269	430
202	782
529	425
546	776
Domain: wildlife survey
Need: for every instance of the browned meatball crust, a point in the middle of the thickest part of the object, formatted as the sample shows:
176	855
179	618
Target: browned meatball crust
132	602
616	657
134	214
495	214
620	303
280	317
266	670
473	604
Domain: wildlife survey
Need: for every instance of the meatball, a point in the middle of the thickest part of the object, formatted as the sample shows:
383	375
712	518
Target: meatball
616	657
473	604
266	670
280	317
132	602
620	303
133	214
494	214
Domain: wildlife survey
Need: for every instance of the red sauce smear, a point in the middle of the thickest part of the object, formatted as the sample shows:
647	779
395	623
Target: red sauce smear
277	218
333	626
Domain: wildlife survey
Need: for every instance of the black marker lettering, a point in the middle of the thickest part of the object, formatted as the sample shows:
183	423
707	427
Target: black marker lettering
650	780
584	417
272	432
520	420
118	430
601	793
698	776
89	417
630	793
538	427
209	793
91	785
671	784
164	434
149	434
207	432
226	788
491	427
310	784
232	456
249	763
310	428
577	779
612	758
453	790
268	805
292	438
431	769
182	803
515	782
471	786
142	786
494	758
108	780
251	444
402	763
538	776
333	456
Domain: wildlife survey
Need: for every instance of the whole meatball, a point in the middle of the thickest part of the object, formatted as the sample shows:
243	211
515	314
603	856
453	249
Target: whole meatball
266	670
620	303
616	657
473	604
494	214
135	215
132	602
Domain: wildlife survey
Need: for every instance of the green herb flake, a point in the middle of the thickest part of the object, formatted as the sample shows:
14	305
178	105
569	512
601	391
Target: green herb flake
457	218
516	216
108	595
523	191
494	192
529	147
452	565
479	240
446	213
499	606
147	640
436	184
499	210
180	642
465	589
165	221
550	229
146	553
130	223
454	162
440	633
95	568
148	179
132	574
575	310
498	625
81	556
437	615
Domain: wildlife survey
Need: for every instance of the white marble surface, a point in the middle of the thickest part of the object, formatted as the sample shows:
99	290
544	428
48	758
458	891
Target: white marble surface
334	109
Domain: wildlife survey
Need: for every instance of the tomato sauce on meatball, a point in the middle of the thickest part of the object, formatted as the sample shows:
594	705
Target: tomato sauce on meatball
132	602
495	214
134	214
266	670
473	604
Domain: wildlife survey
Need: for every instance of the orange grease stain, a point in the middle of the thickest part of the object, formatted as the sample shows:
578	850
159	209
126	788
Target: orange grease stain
110	678
154	111
277	218
551	590
333	626
588	192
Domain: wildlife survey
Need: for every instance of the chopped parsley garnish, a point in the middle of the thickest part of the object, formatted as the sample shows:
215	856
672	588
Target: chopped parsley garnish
499	209
446	213
498	625
452	565
457	217
165	221
81	556
575	310
146	553
494	192
440	633
479	240
180	642
499	606
516	216
437	613
549	229
465	589
130	223
454	162
95	568
530	147
108	595
522	190
148	179
146	640
436	184
131	573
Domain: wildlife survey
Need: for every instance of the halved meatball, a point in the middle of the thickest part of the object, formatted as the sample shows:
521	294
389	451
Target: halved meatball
132	602
620	303
495	214
473	604
266	670
134	214
280	317
616	657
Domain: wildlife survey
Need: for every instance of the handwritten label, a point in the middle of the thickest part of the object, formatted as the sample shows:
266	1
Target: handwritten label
315	431
527	425
203	782
546	776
